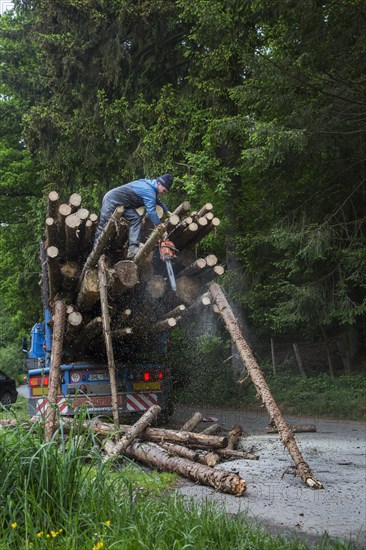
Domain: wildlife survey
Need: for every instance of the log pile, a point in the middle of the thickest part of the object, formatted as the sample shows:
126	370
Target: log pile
95	280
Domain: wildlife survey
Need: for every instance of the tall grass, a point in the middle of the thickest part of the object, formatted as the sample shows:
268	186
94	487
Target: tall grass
62	495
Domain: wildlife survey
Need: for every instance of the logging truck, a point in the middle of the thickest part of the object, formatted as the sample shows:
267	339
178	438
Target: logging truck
85	385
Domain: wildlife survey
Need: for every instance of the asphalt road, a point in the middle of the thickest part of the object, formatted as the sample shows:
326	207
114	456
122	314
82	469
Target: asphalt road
281	502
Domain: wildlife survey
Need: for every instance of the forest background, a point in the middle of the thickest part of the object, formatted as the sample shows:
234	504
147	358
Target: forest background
258	107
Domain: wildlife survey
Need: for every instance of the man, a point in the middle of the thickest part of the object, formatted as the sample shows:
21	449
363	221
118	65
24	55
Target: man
143	192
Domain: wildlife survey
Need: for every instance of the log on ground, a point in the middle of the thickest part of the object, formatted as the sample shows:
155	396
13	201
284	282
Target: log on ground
152	455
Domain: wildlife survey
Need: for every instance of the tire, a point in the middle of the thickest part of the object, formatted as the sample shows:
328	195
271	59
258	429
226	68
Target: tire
6	399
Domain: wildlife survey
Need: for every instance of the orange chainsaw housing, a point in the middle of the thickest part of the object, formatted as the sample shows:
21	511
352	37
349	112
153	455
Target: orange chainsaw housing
167	249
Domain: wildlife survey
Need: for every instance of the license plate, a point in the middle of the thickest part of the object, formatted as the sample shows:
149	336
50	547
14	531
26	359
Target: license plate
143	386
98	376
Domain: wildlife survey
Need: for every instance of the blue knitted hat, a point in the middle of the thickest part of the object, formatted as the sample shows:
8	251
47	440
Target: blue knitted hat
166	180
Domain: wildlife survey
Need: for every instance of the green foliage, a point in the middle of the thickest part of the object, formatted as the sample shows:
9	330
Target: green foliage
11	360
341	397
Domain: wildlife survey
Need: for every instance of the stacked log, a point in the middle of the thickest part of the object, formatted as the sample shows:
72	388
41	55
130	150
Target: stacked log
140	287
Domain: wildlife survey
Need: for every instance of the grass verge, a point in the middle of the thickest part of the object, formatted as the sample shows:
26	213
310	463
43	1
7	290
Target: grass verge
63	495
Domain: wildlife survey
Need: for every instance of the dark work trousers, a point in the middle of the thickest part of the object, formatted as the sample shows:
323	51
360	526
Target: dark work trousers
130	201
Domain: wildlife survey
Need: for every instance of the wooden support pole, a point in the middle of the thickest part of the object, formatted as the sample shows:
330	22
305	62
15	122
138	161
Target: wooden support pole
103	239
102	279
51	417
155	236
286	434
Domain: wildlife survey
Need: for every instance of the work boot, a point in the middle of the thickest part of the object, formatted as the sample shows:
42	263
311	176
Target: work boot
132	251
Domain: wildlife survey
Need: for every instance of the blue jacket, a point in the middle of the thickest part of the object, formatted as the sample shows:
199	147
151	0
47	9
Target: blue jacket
143	192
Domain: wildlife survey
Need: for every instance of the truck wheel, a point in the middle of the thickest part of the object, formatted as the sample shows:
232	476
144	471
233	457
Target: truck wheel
6	399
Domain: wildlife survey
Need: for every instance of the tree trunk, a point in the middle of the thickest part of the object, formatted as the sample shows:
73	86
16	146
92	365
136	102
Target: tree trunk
54	272
52	204
155	236
103	239
152	455
192	423
273	357
299	359
89	291
187	289
134	431
126	276
286	435
102	279
51	417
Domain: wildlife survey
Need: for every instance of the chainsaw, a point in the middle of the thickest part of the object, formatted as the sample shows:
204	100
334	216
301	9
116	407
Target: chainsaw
167	254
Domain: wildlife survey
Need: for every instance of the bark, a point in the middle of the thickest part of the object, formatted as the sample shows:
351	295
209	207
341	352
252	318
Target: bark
133	432
51	416
155	236
210	274
235	434
126	276
182	208
51	231
54	272
52	204
204	300
88	237
172	222
194	268
205	208
108	231
187	236
204	231
64	210
286	435
102	279
152	455
192	423
273	357
299	359
212	430
183	438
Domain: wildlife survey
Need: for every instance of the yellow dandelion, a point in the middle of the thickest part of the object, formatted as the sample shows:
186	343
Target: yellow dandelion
108	522
48	536
39	535
54	534
14	525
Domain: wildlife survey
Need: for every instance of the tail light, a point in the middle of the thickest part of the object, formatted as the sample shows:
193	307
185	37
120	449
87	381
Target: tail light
38	381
